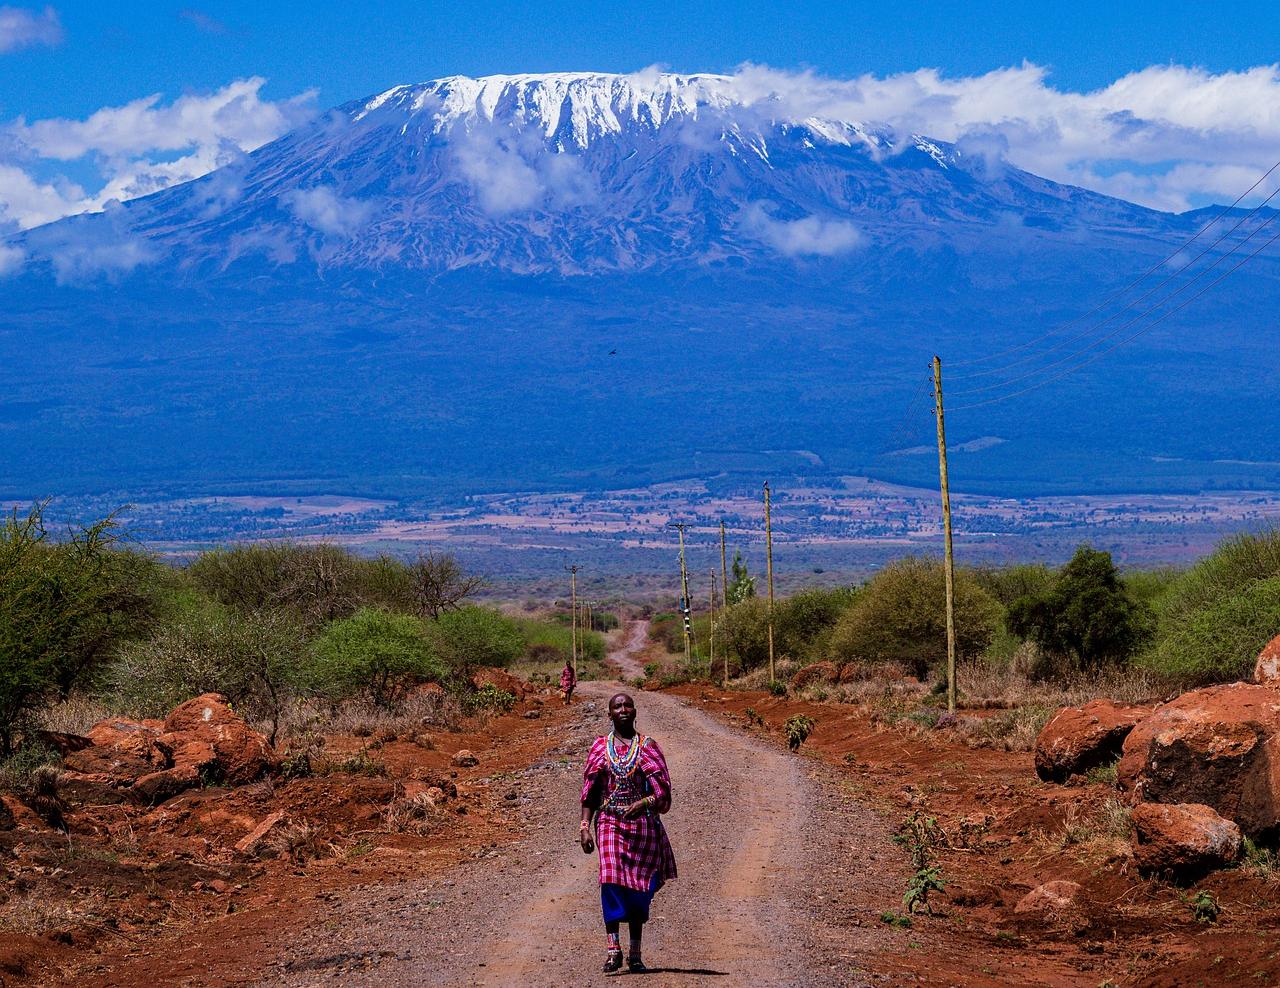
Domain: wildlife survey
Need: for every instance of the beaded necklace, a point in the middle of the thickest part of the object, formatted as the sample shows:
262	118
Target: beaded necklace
622	766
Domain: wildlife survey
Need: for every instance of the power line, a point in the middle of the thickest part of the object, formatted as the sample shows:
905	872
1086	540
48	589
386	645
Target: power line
1137	281
1141	315
1146	329
1138	301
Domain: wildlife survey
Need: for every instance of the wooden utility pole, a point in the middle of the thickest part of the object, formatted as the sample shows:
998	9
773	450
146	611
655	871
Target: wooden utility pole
573	590
724	576
768	542
711	661
685	604
948	561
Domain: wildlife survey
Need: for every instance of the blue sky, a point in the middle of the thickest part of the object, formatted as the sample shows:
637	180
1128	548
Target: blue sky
346	50
1172	105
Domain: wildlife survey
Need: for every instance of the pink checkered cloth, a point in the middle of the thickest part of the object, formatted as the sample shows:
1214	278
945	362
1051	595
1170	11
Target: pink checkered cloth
633	851
567	679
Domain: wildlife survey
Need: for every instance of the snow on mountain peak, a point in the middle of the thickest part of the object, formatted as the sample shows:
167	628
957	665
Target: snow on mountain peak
577	107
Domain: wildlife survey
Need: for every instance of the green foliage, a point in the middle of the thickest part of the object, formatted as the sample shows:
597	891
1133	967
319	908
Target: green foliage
375	654
797	730
471	637
1215	618
742	585
753	717
255	659
551	640
920	834
900	616
17	772
319	583
777	687
1008	584
63	607
1087	614
668	628
1204	907
488	697
744	630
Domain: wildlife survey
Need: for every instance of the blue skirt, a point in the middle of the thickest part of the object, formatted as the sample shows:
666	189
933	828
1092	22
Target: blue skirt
620	903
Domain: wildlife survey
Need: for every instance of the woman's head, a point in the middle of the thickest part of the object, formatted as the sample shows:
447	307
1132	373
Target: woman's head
622	711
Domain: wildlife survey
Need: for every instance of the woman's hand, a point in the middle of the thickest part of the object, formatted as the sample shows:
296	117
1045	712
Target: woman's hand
586	840
636	809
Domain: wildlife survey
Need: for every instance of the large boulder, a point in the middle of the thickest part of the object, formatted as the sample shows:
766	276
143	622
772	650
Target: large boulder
121	750
1080	738
1182	839
500	679
1266	671
1219	746
1051	897
818	672
205	733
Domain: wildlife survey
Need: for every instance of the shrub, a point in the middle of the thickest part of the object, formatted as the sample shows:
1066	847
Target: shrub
489	698
1215	618
744	629
375	654
255	660
478	636
801	625
1086	614
900	617
319	583
797	730
1008	584
63	607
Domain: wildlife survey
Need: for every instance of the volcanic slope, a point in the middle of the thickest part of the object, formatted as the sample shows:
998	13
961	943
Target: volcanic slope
480	281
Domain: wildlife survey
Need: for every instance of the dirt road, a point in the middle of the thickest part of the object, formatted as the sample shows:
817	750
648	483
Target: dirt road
762	878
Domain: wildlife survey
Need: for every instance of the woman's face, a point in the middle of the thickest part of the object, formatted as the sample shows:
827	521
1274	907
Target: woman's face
622	711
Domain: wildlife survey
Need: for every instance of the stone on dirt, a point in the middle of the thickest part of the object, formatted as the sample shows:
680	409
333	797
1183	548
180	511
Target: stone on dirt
1077	739
1219	746
1182	839
1266	671
240	754
465	759
818	672
250	842
1051	897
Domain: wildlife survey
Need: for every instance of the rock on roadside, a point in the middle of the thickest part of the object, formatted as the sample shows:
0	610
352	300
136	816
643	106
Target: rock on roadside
465	759
1218	746
818	672
1266	671
1077	739
1182	839
1051	897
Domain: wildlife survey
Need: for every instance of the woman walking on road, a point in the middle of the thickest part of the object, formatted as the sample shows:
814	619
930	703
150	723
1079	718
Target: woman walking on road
625	787
568	680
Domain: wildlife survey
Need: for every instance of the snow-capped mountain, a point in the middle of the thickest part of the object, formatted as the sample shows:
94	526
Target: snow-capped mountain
536	280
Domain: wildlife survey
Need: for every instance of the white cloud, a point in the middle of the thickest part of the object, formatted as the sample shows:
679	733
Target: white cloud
808	236
321	208
21	27
82	251
1168	136
139	148
11	260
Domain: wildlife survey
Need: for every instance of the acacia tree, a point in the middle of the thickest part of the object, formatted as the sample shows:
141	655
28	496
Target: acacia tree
438	583
63	605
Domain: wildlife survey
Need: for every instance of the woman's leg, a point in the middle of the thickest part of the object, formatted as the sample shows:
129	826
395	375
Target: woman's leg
637	935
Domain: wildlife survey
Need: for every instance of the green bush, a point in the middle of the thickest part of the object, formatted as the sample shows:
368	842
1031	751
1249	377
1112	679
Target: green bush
375	654
1008	584
900	616
1087	614
255	660
478	636
744	630
1215	617
319	583
63	607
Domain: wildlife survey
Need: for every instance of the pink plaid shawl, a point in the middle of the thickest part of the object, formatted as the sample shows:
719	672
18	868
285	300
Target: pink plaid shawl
632	852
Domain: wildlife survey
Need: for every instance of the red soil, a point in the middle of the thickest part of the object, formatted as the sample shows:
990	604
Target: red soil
1006	831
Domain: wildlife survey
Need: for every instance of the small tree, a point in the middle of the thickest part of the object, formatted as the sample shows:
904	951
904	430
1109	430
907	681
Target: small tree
437	583
478	636
63	606
1086	614
375	653
741	583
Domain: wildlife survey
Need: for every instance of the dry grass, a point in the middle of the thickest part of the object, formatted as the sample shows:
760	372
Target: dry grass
36	913
984	685
299	842
362	719
411	814
74	715
1091	834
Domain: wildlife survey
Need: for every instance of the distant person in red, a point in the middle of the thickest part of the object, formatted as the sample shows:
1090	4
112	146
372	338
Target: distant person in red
625	787
568	680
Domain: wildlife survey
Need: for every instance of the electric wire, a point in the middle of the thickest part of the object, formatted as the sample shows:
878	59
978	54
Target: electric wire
1141	315
1138	301
1111	349
1133	284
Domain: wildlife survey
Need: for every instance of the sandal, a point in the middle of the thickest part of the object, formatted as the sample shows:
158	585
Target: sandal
612	961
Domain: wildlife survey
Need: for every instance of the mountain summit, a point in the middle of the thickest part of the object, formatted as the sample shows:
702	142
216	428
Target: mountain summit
575	173
579	278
